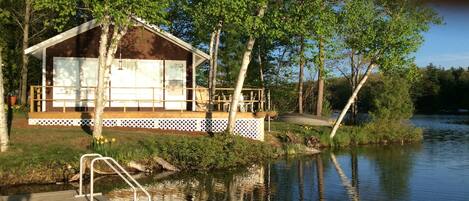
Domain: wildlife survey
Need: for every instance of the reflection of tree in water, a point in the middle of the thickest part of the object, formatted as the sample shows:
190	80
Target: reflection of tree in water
394	166
243	184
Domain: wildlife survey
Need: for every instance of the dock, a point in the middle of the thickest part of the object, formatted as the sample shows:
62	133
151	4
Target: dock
51	196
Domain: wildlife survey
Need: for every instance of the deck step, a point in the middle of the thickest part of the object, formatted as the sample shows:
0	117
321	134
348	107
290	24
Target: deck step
50	196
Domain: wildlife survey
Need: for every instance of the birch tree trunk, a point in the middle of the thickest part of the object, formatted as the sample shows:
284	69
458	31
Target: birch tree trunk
261	68
320	97
24	58
210	73
241	76
99	97
214	42
108	54
300	77
4	138
350	101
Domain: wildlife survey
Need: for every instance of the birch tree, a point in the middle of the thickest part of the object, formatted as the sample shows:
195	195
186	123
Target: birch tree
384	33
253	24
4	138
114	18
210	16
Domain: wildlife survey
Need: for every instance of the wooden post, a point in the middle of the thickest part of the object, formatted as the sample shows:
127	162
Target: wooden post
218	103
31	99
268	100
153	99
63	109
38	98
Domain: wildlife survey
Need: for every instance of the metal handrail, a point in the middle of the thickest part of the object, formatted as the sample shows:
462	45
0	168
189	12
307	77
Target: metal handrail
112	163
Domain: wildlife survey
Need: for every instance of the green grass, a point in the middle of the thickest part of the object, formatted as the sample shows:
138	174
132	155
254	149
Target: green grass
48	154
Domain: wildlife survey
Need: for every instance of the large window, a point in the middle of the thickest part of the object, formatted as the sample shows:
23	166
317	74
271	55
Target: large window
74	79
134	83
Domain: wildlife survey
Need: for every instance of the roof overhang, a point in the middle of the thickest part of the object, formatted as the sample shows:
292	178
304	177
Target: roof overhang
37	49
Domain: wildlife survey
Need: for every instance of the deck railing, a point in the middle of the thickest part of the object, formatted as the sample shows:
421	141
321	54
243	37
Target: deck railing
253	99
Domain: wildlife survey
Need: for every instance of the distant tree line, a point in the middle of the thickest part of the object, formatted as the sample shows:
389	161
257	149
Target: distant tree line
435	90
441	90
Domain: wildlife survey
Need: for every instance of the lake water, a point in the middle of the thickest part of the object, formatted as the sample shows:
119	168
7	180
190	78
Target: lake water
436	169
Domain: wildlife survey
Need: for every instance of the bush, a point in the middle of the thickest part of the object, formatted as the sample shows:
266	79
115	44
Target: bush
204	153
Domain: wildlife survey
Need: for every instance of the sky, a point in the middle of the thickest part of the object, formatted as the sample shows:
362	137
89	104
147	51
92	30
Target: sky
447	45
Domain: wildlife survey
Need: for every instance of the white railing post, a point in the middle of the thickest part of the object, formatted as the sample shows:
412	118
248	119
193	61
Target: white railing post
80	192
116	167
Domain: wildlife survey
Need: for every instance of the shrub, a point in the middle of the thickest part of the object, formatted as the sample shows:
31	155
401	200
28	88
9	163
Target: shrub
205	153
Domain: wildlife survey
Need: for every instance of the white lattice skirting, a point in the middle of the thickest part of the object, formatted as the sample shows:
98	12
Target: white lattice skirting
247	127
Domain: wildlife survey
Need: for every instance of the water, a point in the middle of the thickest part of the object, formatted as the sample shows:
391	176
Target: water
436	169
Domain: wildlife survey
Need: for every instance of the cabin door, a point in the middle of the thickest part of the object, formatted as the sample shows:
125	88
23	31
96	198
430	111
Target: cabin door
175	85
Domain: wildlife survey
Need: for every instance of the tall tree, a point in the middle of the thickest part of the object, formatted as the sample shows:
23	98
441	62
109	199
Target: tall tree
4	138
32	24
210	16
324	31
24	57
253	24
384	33
115	18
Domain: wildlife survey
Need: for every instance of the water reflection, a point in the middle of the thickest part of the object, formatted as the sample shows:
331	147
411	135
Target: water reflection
366	173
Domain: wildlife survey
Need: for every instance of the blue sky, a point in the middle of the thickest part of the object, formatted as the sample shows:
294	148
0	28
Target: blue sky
448	44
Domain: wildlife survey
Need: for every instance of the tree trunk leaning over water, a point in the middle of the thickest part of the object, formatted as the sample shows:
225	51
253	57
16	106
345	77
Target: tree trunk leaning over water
350	101
4	138
241	76
24	58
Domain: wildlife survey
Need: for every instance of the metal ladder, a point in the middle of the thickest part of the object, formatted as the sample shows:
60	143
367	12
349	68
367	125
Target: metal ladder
116	168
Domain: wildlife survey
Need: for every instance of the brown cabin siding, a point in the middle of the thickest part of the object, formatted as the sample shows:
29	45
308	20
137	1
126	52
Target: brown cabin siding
138	43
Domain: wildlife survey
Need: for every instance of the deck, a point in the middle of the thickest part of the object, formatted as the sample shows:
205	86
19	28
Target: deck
142	114
50	196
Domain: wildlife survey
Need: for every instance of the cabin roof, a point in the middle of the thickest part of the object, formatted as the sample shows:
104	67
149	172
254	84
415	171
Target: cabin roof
37	49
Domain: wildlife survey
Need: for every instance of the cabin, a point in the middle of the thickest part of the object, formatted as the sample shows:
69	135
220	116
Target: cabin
151	84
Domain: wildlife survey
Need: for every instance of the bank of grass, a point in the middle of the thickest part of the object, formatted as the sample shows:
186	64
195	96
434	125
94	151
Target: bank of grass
193	153
49	154
375	133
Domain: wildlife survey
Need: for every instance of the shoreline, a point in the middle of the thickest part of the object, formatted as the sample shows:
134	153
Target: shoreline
43	155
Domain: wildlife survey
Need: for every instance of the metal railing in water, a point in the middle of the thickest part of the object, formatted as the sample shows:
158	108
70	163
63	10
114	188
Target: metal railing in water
116	167
253	99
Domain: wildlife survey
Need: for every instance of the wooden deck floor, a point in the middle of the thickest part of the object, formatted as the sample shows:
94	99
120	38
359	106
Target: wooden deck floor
50	196
156	114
